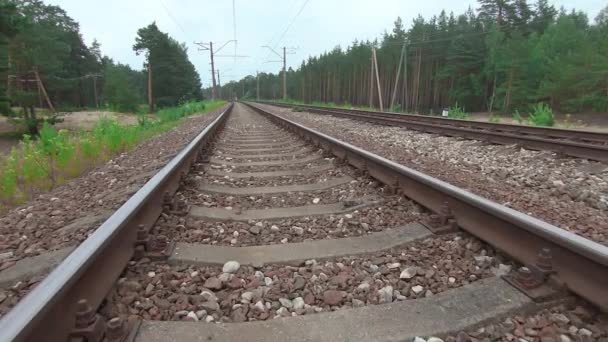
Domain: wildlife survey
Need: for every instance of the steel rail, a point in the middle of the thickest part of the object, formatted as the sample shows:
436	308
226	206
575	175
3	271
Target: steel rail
580	264
47	313
576	143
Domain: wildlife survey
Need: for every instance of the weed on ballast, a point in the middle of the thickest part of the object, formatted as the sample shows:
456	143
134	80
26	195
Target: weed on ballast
542	115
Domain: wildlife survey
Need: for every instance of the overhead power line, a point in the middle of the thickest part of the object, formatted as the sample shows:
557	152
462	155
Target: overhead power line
173	18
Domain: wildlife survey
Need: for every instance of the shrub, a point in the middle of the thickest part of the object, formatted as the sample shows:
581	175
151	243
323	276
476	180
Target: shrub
457	112
542	115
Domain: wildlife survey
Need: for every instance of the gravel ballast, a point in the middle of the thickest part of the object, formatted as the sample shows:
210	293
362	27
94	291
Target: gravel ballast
568	192
234	293
44	223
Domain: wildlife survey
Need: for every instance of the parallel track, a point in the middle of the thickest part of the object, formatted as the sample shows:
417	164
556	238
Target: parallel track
576	143
48	311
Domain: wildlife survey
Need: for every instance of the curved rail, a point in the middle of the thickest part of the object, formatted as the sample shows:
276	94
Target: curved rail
579	263
47	313
576	143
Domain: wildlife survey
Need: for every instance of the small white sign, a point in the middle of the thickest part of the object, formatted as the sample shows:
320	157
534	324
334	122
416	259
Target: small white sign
444	113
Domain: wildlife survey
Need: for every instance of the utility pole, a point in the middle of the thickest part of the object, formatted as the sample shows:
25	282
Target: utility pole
377	79
284	75
150	102
371	83
397	76
284	60
212	55
95	90
219	85
257	89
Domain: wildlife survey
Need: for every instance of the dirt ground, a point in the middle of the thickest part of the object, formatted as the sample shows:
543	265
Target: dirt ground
72	121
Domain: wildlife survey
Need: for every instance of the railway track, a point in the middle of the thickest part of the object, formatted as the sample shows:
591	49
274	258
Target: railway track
260	219
576	143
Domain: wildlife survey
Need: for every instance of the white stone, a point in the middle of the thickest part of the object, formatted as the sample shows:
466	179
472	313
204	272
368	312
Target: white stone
373	268
419	339
451	280
284	240
282	311
348	216
209	319
231	267
259	275
267	281
363	287
408	273
193	274
259	224
274	228
385	294
417	289
225	277
394	265
151	274
434	339
235	233
193	315
298	303
501	270
584	332
286	303
247	296
260	306
297	230
316	200
564	338
233	241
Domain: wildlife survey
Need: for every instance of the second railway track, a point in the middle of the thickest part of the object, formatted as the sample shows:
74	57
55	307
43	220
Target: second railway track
277	232
577	143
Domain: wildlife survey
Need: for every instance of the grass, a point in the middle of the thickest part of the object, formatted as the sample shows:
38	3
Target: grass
457	112
542	115
56	156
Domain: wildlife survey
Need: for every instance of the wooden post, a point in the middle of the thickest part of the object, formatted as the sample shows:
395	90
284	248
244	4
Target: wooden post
95	91
41	85
397	77
150	98
377	79
371	83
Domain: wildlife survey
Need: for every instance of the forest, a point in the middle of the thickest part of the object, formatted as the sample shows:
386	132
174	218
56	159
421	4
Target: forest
44	63
504	56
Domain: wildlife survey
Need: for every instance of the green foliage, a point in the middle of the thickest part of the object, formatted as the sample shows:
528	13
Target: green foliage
457	112
517	117
506	56
542	115
174	78
494	118
38	165
120	88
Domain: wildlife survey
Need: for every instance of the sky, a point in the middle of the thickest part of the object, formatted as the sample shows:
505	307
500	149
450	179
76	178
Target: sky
307	27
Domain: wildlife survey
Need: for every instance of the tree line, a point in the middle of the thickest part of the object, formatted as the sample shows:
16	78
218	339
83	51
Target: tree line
44	63
507	55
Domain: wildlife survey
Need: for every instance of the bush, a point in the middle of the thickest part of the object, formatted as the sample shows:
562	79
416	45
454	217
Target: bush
542	115
457	112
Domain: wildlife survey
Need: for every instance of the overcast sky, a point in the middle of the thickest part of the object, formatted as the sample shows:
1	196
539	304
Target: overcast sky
320	26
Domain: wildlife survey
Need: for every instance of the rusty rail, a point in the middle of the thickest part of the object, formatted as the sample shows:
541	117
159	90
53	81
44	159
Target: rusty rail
51	311
579	264
576	143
